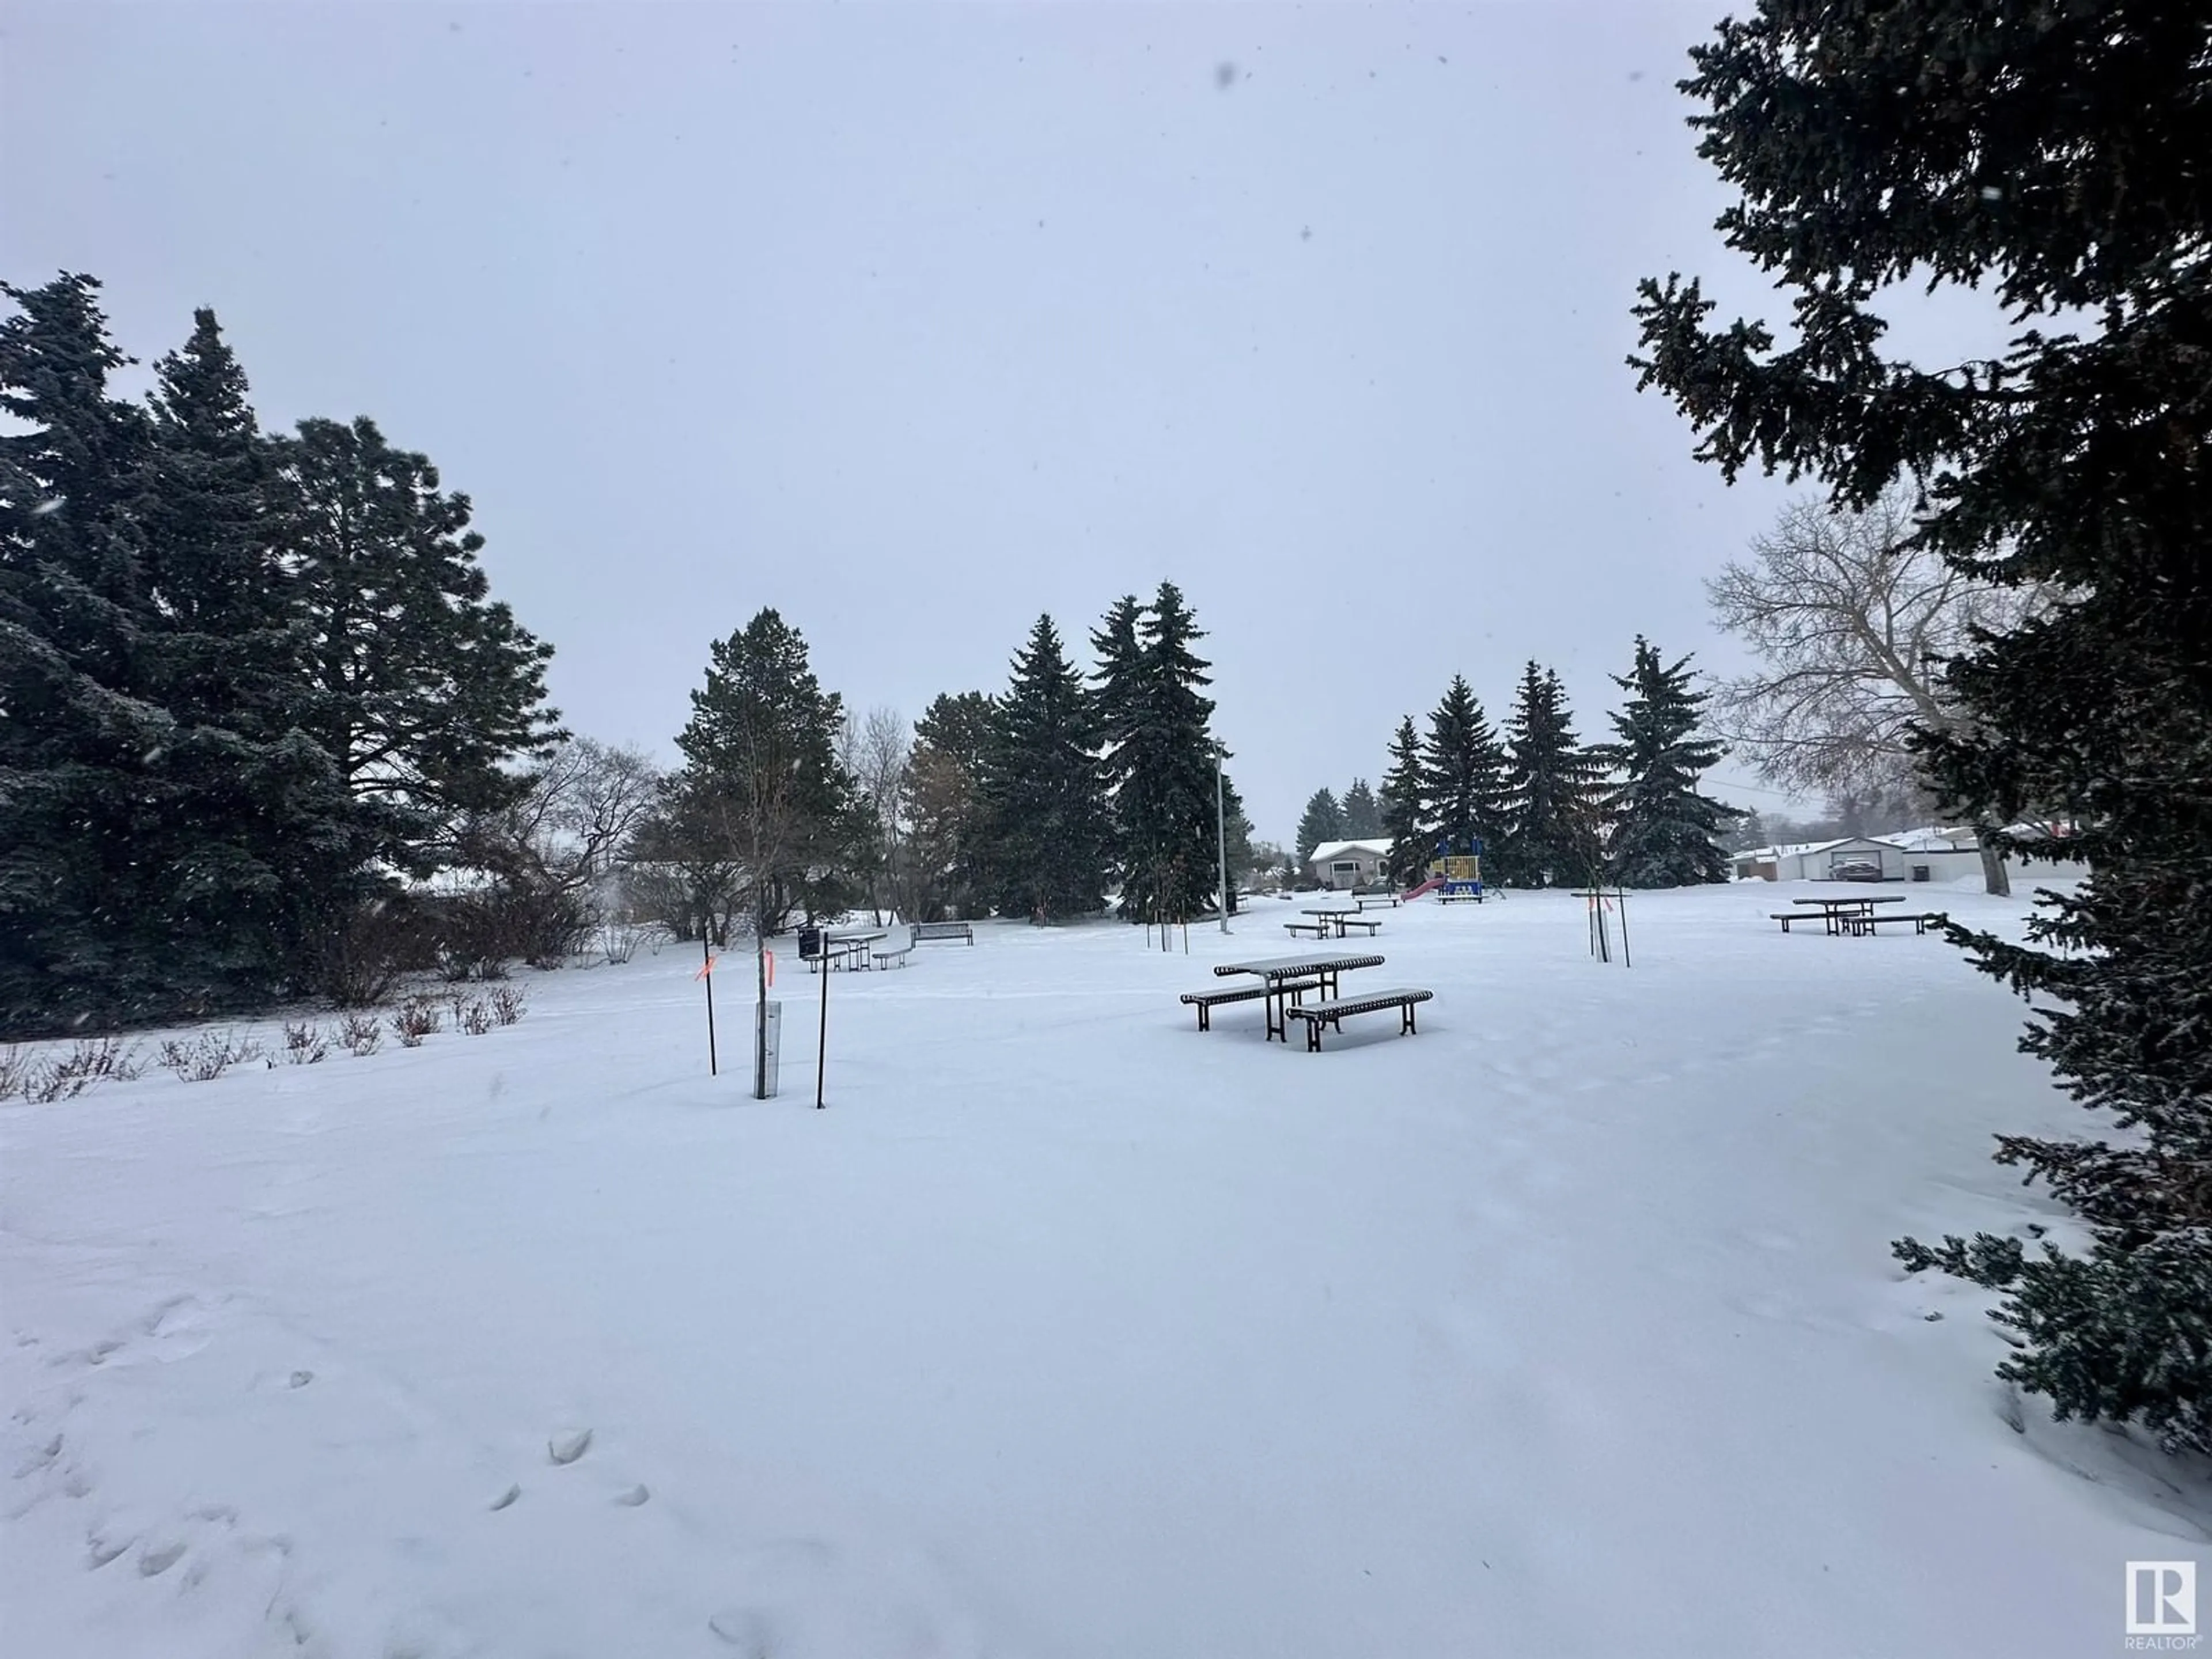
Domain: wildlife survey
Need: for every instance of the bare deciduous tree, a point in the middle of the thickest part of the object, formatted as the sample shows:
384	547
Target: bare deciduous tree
1854	621
552	854
875	754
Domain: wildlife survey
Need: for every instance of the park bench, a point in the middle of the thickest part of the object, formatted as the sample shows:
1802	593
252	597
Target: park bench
1206	1001
1376	901
892	956
1858	927
1785	917
1344	923
1316	929
928	930
1459	898
1333	1014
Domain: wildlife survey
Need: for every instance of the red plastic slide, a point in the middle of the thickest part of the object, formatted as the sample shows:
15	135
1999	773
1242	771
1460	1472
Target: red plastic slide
1428	886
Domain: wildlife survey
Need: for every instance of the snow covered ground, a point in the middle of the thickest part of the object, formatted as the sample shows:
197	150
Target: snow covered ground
1568	1327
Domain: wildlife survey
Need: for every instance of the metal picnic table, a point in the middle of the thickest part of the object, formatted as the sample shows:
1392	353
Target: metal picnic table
1280	973
845	950
1336	917
1836	911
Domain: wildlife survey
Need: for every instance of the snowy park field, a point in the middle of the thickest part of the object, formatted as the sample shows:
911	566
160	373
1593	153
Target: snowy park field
1566	1327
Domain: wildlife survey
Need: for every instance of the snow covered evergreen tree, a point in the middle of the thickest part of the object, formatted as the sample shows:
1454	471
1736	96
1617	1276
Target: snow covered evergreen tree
761	791
82	732
1044	787
1462	770
1118	703
1407	818
1362	815
423	687
1165	809
264	853
1321	821
1664	833
2051	157
948	836
1550	834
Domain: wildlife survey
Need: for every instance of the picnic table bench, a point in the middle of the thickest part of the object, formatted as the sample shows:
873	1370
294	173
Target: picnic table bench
892	956
1318	929
1333	1014
928	930
1206	1001
1374	900
1459	898
1857	924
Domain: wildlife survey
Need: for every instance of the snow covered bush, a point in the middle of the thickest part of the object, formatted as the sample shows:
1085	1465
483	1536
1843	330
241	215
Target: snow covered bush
304	1042
415	1020
206	1057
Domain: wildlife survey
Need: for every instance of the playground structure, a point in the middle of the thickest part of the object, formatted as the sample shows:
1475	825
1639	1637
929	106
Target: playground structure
1458	866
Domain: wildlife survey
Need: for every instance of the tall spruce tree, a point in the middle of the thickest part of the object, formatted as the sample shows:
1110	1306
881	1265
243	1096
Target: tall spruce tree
82	730
1363	816
262	856
1408	819
1044	787
1462	770
1118	704
1664	833
1322	821
1550	834
948	835
1235	838
761	788
1166	804
423	687
2051	156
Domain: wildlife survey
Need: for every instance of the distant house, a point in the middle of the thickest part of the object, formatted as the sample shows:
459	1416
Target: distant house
1933	854
1347	864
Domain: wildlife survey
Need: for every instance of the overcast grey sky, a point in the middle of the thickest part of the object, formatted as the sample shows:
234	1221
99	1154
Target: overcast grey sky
915	320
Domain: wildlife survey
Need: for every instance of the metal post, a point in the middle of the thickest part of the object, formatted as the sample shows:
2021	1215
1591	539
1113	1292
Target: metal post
822	1038
1221	832
706	973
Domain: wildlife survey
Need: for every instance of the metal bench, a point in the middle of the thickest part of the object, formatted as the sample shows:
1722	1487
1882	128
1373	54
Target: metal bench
1858	927
1785	917
1376	901
892	956
1332	1014
1316	929
927	930
1459	898
1206	1001
1342	923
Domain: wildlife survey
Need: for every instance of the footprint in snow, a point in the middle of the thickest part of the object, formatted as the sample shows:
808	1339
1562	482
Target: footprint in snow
99	1551
153	1563
506	1499
567	1446
635	1496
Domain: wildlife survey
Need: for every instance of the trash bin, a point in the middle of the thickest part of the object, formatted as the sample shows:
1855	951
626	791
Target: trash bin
809	945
